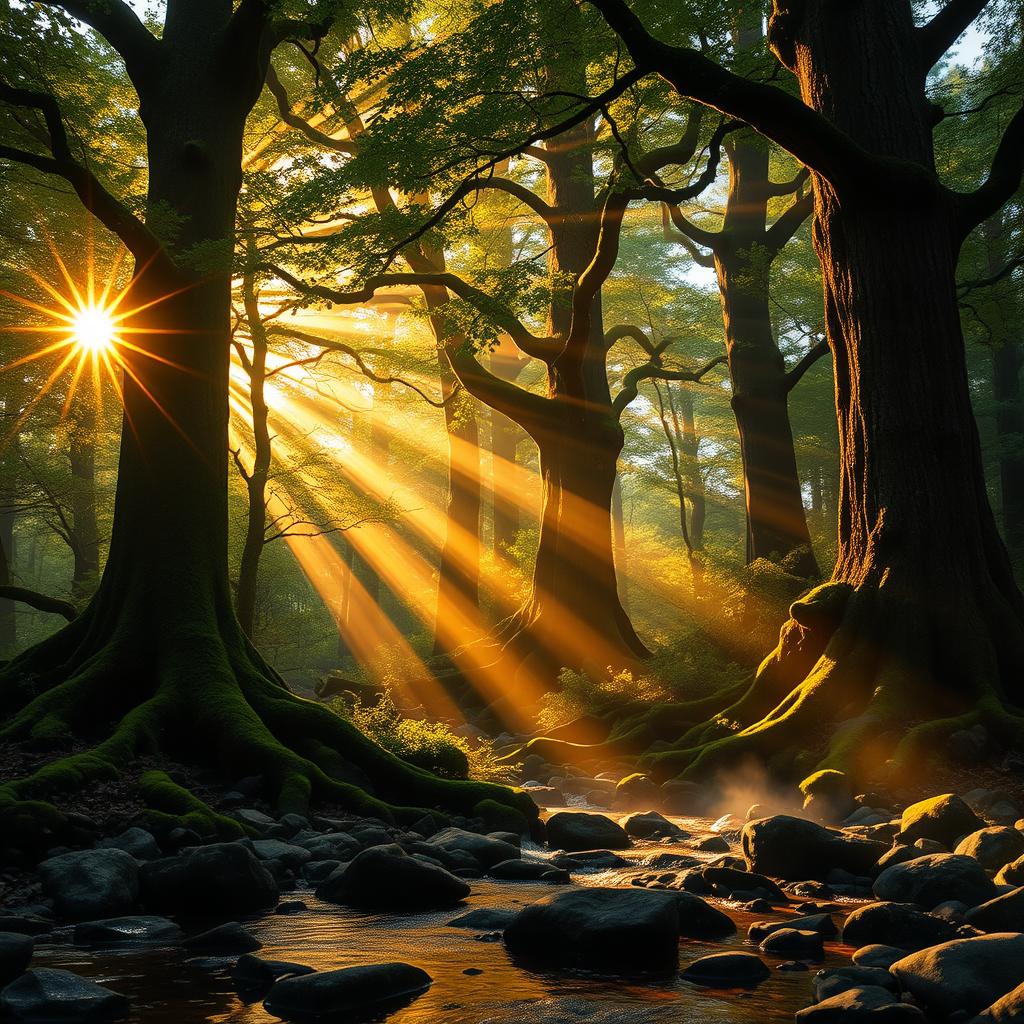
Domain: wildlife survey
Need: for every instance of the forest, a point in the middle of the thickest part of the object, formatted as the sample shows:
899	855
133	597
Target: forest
512	509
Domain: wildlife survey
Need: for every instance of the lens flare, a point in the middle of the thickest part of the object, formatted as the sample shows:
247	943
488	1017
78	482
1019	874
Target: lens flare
93	329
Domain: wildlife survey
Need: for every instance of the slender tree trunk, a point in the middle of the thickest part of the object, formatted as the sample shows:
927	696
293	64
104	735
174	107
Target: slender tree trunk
681	406
82	456
505	438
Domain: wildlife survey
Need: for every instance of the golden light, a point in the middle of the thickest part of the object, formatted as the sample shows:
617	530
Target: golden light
93	329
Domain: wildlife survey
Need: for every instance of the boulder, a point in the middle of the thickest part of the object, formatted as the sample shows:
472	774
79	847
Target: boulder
135	841
870	1003
636	790
577	830
352	991
229	939
727	970
528	871
820	923
600	928
965	974
1008	1009
699	920
828	796
289	855
485	919
593	860
331	846
25	924
1003	914
743	881
944	818
223	878
878	955
15	955
386	878
896	924
933	879
88	884
123	931
1012	873
992	848
54	997
651	825
833	980
483	849
787	942
254	973
796	849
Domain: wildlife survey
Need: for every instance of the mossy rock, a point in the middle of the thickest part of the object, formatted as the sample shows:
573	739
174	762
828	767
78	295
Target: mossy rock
502	818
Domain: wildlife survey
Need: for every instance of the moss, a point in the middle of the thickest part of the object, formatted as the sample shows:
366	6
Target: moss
827	782
29	827
823	608
174	805
501	818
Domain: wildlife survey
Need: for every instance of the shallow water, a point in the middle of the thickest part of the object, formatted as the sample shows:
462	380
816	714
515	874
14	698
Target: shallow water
166	989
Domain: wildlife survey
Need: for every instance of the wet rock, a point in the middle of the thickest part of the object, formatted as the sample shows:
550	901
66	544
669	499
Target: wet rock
135	841
868	1003
290	907
230	939
484	919
699	920
794	942
25	925
528	871
223	878
254	818
594	860
577	830
1005	913
252	972
594	927
118	931
820	923
668	861
483	849
943	818
727	970
351	991
930	846
285	853
993	847
828	796
651	825
897	854
713	844
965	974
635	791
1008	1009
878	955
1011	874
386	878
896	924
15	955
89	884
833	980
797	849
54	997
331	846
744	881
935	878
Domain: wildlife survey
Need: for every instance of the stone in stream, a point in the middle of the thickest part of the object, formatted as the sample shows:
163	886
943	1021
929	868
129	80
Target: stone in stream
288	908
119	931
135	841
820	923
1008	1009
88	884
331	846
1003	914
595	927
252	973
15	955
794	942
992	848
934	879
528	871
878	955
868	1003
946	819
486	919
352	991
713	844
727	970
577	830
222	878
796	849
833	980
699	920
229	939
965	974
289	855
1011	874
25	924
386	878
897	924
484	850
652	825
55	997
744	881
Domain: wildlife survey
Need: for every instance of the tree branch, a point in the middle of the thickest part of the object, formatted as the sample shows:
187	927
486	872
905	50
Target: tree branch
652	371
985	282
526	196
784	188
788	223
813	354
290	118
42	602
1003	180
935	38
688	233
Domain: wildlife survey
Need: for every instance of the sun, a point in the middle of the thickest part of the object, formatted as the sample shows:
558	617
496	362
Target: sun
93	329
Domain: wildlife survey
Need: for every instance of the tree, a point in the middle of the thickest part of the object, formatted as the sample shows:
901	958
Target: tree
158	660
922	609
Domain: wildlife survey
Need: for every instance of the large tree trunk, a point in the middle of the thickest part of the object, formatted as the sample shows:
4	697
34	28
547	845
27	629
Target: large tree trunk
921	629
86	534
505	438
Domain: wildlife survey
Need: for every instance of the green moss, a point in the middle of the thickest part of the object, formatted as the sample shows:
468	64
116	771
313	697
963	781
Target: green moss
171	801
826	782
502	818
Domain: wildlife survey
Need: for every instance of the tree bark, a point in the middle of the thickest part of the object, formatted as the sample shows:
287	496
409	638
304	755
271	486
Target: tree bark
86	534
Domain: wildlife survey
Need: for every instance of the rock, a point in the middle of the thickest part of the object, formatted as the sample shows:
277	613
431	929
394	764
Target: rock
119	931
699	920
1005	913
992	848
820	923
1011	874
230	939
1008	1009
943	818
794	942
896	924
594	860
252	972
484	919
362	991
965	974
595	927
868	1003
713	844
727	970
797	849
897	854
223	878
636	790
828	796
680	797
833	980
135	841
878	955
933	879
289	908
743	881
669	861
25	924
15	955
386	878
254	819
483	849
89	884
528	871
969	746
54	997
285	853
930	846
331	846
650	825
577	830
